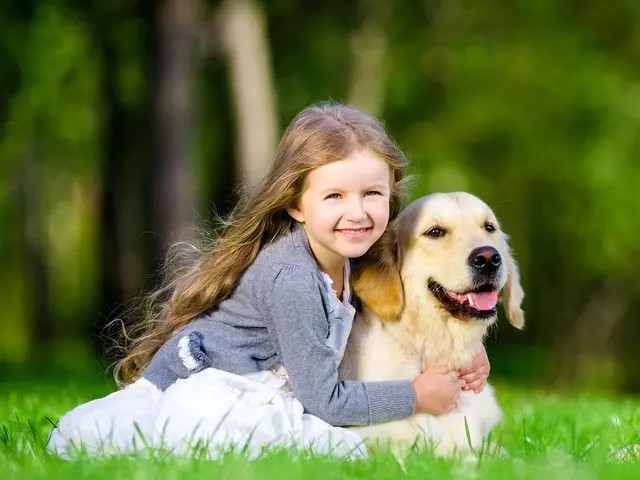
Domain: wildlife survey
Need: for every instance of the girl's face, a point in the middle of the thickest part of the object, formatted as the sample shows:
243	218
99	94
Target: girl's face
345	207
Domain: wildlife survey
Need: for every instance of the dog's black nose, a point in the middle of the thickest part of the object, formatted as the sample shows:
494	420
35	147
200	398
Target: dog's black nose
486	259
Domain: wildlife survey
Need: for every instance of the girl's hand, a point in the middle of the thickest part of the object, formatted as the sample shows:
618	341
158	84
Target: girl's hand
437	390
475	375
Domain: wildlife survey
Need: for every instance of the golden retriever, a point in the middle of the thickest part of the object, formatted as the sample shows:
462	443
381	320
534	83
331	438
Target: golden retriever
429	289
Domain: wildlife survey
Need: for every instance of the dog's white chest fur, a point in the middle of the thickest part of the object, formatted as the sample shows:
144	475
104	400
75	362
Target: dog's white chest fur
380	352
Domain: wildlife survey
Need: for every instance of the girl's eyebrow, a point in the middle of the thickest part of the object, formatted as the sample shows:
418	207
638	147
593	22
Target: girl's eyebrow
331	190
376	186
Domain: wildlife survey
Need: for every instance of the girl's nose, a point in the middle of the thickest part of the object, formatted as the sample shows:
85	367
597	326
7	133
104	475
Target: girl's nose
356	212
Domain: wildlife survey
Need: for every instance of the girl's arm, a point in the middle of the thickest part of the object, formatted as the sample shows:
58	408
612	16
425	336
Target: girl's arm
295	316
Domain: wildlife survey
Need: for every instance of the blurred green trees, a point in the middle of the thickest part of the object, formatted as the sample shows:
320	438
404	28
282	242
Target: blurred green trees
123	121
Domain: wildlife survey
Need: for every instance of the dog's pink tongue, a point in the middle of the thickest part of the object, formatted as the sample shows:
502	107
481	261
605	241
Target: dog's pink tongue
482	301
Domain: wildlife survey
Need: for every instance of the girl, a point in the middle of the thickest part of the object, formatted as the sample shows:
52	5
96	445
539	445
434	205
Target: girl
244	351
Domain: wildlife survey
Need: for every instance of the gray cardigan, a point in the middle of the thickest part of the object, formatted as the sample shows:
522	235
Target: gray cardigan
280	312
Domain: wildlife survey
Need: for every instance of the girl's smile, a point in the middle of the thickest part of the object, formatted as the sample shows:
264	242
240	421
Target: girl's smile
355	233
345	207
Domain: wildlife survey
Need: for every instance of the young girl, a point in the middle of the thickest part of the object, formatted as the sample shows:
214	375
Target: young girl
245	350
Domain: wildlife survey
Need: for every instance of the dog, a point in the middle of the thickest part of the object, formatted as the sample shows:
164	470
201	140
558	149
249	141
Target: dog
429	290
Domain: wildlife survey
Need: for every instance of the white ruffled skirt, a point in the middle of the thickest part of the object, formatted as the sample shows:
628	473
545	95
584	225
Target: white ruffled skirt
209	413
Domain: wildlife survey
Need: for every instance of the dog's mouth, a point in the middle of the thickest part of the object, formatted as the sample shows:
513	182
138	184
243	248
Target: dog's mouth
480	303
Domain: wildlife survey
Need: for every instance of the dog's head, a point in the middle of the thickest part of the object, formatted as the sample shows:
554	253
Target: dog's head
448	249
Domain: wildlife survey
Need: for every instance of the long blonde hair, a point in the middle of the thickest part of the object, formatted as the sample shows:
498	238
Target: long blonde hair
320	134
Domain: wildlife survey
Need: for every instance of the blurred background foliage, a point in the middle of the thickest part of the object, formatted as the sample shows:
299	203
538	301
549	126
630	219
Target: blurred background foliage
124	123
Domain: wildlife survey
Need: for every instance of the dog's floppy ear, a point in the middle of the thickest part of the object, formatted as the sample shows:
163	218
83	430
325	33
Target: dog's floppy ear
513	294
375	277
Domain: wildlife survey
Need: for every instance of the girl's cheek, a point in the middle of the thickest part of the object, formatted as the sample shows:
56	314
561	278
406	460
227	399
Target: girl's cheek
328	216
381	211
380	218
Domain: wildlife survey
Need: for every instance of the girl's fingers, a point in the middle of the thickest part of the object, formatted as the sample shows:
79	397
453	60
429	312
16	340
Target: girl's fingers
471	377
473	381
479	370
477	386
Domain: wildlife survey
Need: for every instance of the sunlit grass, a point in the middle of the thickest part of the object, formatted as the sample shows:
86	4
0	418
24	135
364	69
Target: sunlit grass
545	435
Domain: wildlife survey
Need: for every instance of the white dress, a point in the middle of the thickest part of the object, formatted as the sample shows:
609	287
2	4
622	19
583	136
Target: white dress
209	413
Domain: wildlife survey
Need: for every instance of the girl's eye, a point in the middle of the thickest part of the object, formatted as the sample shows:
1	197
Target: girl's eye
332	195
373	192
436	232
489	227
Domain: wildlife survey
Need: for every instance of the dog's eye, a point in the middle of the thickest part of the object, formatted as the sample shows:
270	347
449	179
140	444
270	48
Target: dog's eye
436	232
489	227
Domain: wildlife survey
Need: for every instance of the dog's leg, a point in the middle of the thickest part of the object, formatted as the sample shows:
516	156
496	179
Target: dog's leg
460	434
465	429
398	436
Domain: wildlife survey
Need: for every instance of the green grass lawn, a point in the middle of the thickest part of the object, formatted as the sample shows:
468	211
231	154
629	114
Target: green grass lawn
546	436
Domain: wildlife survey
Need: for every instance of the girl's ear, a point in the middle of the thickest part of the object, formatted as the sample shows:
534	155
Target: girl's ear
294	211
375	277
296	214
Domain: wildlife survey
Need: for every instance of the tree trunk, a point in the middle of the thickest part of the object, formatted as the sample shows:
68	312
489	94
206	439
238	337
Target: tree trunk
115	270
369	50
34	249
172	193
587	357
125	146
245	43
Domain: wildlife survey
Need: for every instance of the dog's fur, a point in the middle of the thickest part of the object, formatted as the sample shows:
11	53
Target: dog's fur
403	328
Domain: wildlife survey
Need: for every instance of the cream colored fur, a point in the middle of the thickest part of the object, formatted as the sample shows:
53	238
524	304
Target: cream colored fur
403	328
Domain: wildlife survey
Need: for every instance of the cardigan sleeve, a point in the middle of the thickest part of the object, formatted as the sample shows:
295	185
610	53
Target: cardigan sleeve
295	315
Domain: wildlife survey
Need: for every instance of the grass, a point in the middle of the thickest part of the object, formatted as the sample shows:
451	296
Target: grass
546	436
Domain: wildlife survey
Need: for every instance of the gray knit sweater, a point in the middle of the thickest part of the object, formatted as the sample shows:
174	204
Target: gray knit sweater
281	312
